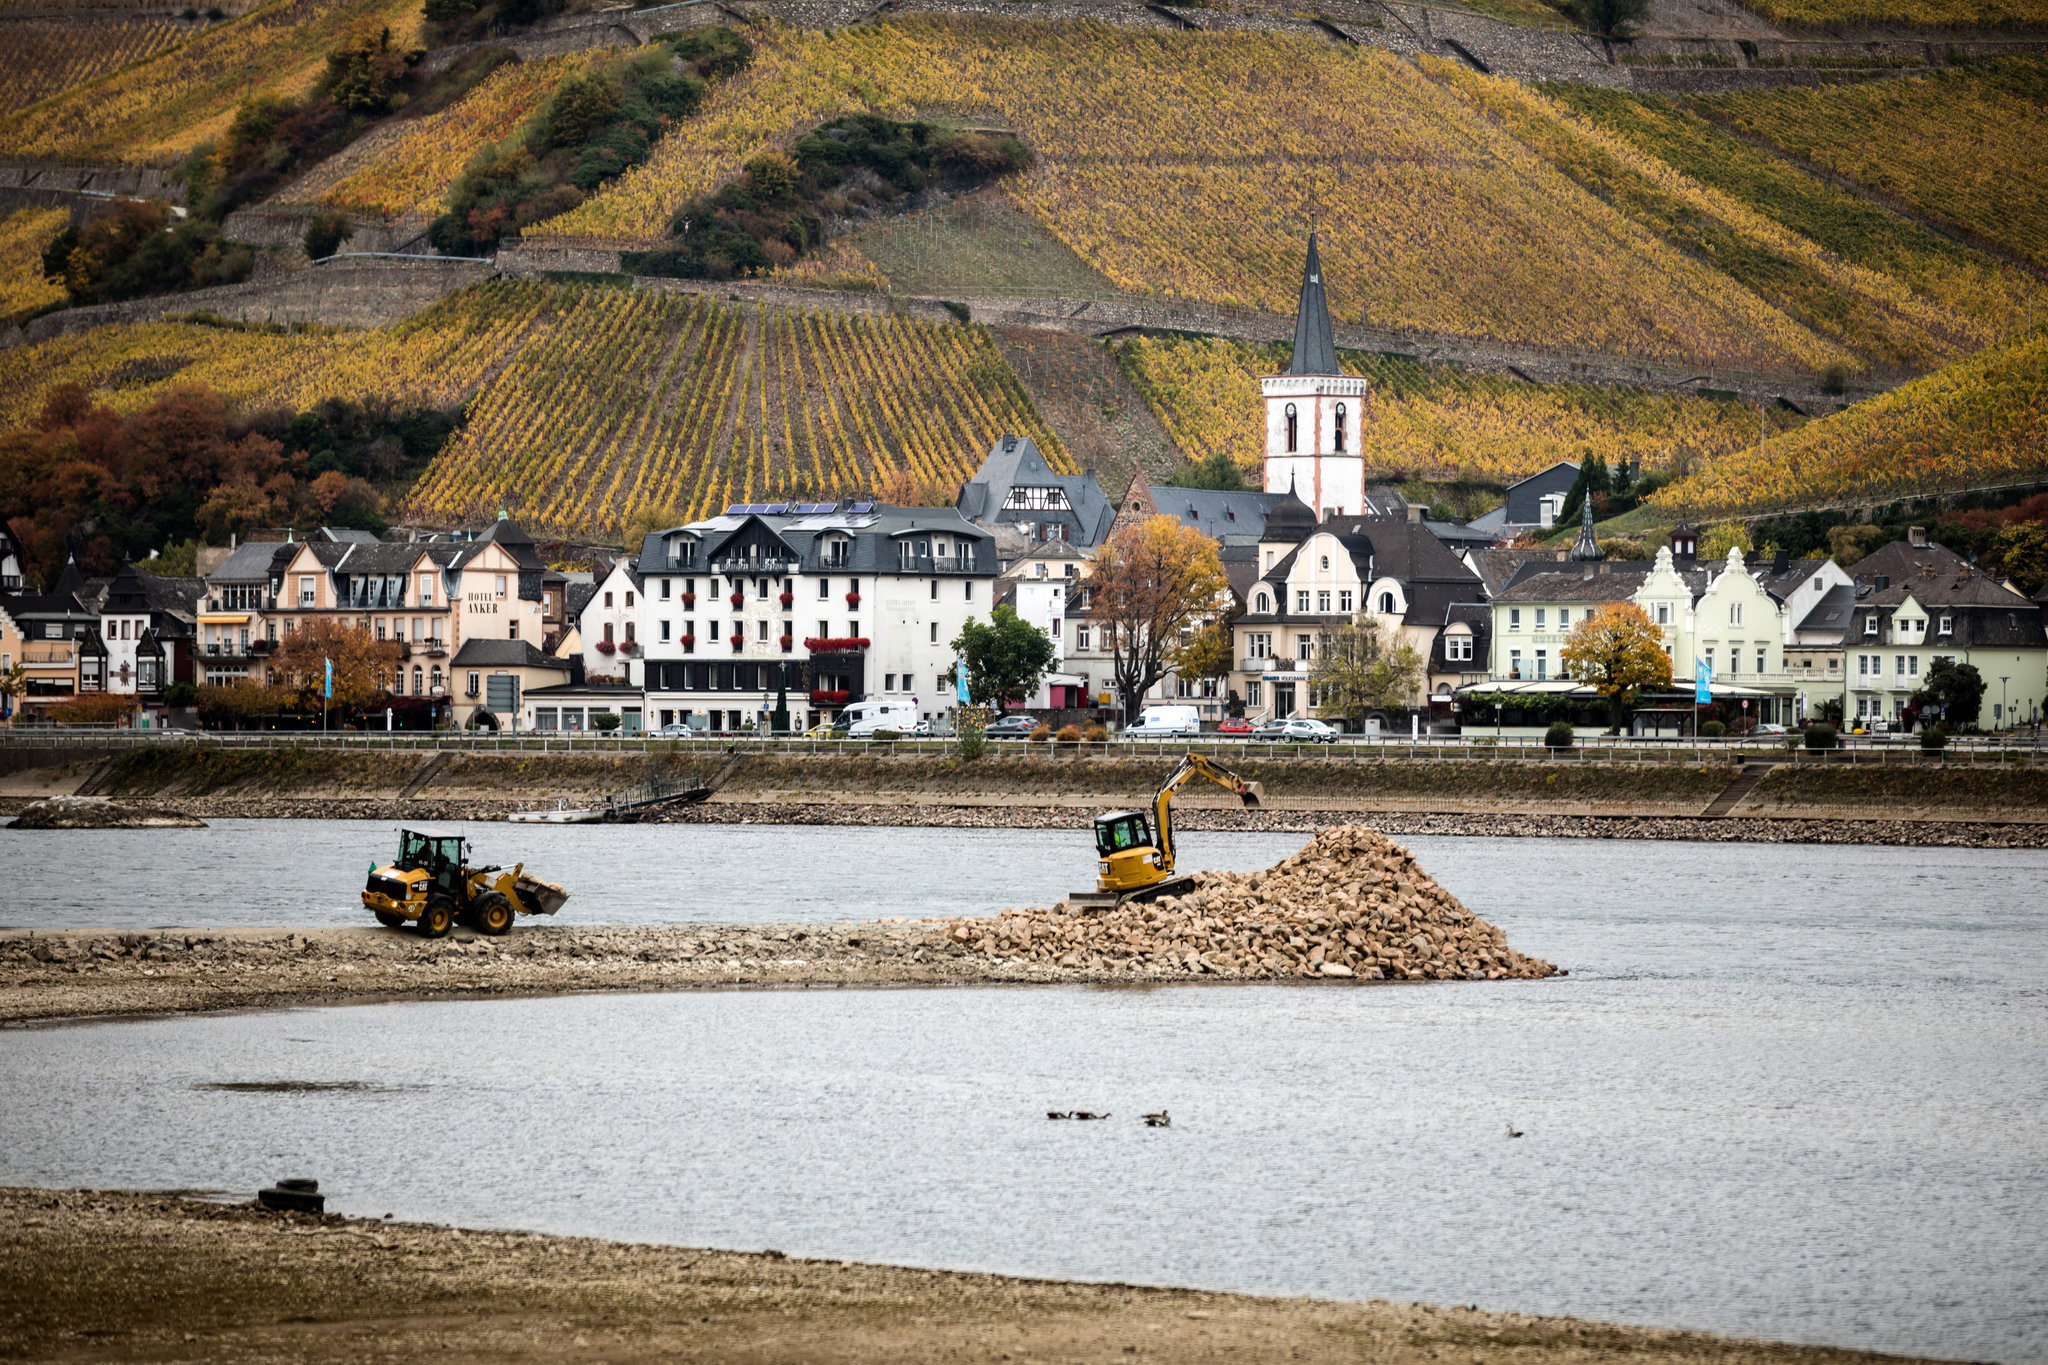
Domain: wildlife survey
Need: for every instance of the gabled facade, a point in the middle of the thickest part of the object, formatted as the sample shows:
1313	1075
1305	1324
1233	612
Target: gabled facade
1015	486
1895	633
609	627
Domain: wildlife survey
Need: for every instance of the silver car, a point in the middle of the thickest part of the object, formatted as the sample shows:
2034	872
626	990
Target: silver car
1304	730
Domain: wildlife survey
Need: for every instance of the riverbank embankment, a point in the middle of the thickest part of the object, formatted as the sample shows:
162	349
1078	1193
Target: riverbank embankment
104	1275
1716	797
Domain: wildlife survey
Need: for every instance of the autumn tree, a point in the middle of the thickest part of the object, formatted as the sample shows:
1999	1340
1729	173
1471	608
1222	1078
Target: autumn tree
362	665
1153	582
1619	653
1362	670
1005	659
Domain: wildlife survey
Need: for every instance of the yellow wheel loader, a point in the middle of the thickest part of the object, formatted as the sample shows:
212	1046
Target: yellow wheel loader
1137	858
433	886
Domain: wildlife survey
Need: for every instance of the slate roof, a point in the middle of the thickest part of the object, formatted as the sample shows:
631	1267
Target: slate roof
578	597
1216	513
1619	584
477	652
1497	567
1984	614
1829	616
1479	617
873	533
1431	577
1902	559
1315	345
251	562
1015	460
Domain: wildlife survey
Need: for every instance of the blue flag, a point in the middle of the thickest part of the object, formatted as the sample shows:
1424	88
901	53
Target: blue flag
1703	677
960	681
329	694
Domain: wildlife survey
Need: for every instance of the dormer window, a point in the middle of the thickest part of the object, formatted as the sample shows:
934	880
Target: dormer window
1326	562
1870	626
1386	604
1948	625
1262	604
1293	429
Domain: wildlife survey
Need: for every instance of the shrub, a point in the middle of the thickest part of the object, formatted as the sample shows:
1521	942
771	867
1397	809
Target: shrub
1041	734
1713	729
103	708
606	721
1069	734
888	734
180	694
326	233
1933	739
1559	735
1821	736
1096	732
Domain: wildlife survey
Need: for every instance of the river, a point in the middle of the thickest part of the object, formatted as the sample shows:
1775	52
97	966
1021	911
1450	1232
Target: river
1787	1092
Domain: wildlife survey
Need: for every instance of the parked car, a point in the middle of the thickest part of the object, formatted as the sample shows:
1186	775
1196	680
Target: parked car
1270	730
1306	731
1769	730
1011	727
864	718
675	730
1237	727
826	729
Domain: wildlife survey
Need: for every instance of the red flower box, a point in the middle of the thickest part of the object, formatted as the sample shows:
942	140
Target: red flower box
689	599
738	599
830	696
739	642
787	641
853	599
835	644
606	647
788	598
690	639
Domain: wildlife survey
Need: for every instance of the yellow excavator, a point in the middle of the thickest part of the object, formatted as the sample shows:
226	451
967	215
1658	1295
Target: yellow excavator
1135	866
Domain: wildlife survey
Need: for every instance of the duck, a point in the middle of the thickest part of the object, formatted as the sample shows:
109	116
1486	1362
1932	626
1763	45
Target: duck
1084	1114
1058	1114
1158	1120
1513	1131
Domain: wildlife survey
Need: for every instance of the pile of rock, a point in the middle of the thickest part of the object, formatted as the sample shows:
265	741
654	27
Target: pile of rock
1351	904
97	812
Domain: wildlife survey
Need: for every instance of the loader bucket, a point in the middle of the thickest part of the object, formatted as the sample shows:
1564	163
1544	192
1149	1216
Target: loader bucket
539	897
1251	794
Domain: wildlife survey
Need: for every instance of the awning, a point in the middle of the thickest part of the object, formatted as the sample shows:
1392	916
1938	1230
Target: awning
223	619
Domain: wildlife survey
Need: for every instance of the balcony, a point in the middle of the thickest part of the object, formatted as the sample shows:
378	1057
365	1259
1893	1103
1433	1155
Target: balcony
753	568
934	564
49	653
1269	664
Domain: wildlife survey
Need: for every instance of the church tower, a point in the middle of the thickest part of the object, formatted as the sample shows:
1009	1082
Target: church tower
1315	413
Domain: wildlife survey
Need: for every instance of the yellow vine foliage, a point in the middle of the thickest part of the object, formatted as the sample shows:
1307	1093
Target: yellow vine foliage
163	107
1435	421
1896	14
23	235
441	355
45	57
1979	422
407	165
1962	145
637	400
1191	164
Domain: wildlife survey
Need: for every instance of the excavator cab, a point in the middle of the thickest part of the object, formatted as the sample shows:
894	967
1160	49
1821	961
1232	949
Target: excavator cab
1136	853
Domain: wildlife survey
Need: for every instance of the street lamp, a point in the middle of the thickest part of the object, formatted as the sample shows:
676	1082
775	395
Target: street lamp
2004	716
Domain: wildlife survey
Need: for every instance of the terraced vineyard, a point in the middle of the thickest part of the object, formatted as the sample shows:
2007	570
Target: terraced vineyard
1437	421
165	106
1979	422
1434	218
633	401
442	355
1962	146
1895	14
44	57
23	235
408	165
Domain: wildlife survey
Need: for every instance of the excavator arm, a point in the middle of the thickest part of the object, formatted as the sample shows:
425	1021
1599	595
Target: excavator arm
1194	765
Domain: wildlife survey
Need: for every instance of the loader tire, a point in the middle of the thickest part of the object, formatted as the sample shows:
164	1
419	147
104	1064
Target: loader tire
438	918
390	919
494	914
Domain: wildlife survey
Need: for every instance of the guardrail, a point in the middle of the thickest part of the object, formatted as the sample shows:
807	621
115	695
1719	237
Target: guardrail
2024	751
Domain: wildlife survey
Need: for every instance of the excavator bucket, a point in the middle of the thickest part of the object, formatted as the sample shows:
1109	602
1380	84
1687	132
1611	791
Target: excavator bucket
1251	793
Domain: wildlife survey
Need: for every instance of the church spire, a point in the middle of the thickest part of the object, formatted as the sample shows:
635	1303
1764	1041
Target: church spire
1587	548
1315	345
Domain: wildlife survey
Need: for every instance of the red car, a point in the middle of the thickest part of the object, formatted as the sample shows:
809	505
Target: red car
1237	727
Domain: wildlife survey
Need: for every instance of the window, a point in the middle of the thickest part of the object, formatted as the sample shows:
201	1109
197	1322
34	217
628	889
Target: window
935	587
1304	647
1323	602
1514	663
970	589
1458	648
1710	660
1542	665
499	587
629	599
380	628
1870	626
664	632
1254	691
935	632
824	589
824	629
664	588
1040	568
1735	613
853	628
1262	604
888	682
1293	430
629	632
607	632
1341	410
1761	659
1734	662
1326	563
1055	627
474	686
1301	600
307	594
1862	665
762	635
1072	571
1259	645
1269	559
426	590
1036	500
1514	618
1081	635
607	599
689	637
1948	625
1539	618
513	633
1564	617
1663	613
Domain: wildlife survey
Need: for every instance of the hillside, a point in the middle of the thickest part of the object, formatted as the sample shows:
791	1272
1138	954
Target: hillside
44	57
1979	422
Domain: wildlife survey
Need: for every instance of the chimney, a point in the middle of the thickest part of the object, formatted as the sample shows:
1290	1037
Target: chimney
1880	581
1415	514
1916	535
1782	561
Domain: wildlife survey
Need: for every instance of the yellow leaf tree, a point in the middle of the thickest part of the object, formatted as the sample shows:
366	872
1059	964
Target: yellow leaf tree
362	666
1619	653
1151	582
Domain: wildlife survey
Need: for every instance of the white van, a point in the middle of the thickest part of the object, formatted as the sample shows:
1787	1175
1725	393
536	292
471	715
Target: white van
862	719
1166	722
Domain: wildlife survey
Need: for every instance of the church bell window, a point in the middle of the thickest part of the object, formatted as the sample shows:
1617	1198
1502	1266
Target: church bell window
1341	409
1293	429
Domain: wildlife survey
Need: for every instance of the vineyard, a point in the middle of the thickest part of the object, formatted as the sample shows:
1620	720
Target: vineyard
23	235
44	57
1436	421
634	401
1980	421
1962	146
1985	299
161	108
407	165
441	356
1894	14
1434	218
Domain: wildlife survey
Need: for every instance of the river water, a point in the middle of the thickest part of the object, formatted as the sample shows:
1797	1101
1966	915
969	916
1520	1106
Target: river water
1786	1092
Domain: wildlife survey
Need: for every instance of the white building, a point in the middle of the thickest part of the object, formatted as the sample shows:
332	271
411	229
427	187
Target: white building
1315	413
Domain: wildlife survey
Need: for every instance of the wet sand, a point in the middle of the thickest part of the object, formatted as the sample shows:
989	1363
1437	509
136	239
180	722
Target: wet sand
98	1276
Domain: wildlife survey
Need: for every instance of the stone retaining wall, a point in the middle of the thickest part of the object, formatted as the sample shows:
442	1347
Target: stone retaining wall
284	225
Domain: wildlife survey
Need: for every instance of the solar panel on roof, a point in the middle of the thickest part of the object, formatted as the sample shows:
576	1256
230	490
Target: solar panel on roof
774	507
812	508
862	507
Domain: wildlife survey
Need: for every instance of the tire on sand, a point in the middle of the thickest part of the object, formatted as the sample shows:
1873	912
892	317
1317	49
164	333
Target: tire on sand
493	914
438	918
